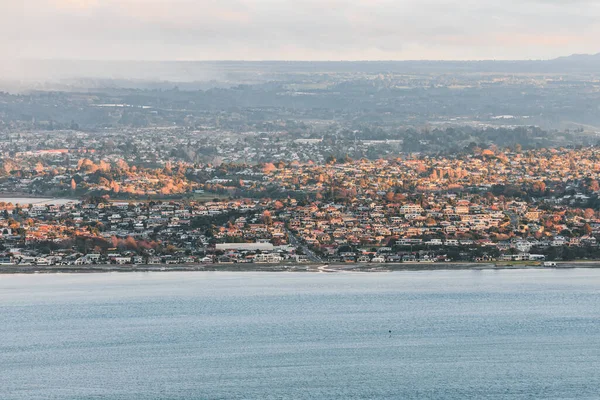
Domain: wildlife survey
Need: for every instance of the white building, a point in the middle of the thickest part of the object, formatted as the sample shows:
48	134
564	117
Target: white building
245	246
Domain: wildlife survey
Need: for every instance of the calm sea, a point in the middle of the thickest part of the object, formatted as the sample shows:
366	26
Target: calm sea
454	335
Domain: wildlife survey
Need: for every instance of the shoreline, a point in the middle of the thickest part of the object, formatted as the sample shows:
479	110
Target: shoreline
307	267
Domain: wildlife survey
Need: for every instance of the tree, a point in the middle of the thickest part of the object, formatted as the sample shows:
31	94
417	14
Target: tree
589	213
266	216
103	182
268	167
114	186
539	187
131	243
103	166
122	165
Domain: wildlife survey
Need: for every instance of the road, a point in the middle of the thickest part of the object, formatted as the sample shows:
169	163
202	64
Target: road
296	243
514	218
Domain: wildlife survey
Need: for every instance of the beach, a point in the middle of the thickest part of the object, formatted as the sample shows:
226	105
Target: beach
304	267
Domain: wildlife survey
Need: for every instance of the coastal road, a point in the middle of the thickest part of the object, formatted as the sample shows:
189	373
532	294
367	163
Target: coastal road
296	243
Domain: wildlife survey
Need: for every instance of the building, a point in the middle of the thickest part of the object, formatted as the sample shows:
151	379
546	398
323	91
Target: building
245	246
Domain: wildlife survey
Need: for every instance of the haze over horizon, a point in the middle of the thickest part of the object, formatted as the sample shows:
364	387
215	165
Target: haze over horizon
307	30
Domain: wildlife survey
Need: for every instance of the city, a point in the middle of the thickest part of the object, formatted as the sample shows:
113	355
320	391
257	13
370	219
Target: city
482	205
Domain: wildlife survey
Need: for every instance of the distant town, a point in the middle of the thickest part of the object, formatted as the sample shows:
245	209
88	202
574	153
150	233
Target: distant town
478	206
306	163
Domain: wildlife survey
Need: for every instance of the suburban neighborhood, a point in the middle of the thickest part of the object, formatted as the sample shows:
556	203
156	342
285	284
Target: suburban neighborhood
481	206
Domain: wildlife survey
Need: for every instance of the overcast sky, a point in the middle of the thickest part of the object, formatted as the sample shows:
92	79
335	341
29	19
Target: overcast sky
297	29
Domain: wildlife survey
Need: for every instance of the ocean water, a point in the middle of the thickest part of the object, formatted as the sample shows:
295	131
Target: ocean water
514	334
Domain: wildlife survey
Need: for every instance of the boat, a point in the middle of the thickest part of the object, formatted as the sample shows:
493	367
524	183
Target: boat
549	264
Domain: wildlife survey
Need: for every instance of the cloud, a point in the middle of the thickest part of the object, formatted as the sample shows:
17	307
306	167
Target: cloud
297	29
77	4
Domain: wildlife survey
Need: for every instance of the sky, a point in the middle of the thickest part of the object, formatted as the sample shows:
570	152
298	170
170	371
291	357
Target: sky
297	29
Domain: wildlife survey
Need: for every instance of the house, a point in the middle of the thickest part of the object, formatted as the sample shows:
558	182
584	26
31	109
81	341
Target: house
6	260
122	260
262	246
301	258
558	241
515	257
268	258
42	261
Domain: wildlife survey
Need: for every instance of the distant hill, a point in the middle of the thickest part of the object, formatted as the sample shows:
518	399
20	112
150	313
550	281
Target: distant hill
69	75
579	58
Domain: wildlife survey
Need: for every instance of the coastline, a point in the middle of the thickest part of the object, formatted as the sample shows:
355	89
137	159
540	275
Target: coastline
307	267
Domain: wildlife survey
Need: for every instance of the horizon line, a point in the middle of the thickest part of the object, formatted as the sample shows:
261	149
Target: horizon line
304	61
